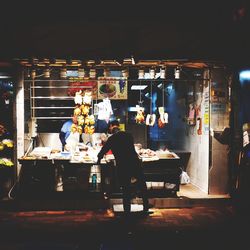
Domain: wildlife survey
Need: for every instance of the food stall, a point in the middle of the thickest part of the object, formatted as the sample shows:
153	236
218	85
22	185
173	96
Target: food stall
168	106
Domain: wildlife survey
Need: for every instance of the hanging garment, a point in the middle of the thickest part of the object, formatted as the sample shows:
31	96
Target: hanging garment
104	110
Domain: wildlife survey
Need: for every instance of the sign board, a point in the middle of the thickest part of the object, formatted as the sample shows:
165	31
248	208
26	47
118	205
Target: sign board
115	88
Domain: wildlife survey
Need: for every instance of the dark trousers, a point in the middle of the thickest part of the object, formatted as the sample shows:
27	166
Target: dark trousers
125	182
101	126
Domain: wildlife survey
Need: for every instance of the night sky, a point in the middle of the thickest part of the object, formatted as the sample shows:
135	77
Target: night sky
213	30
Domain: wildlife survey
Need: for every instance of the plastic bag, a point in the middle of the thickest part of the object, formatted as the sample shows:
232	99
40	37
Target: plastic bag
185	179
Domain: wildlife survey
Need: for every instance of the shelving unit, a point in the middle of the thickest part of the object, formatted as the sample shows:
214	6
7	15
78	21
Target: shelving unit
51	102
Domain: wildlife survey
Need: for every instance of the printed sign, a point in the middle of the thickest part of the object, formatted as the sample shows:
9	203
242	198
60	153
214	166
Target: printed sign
113	88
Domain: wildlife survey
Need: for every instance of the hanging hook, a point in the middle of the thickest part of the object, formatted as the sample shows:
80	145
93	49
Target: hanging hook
163	94
151	97
140	102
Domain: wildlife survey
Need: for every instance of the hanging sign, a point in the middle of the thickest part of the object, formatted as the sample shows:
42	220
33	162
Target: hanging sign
77	85
113	88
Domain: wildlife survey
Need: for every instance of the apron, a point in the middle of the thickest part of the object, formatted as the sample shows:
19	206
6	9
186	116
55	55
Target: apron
72	141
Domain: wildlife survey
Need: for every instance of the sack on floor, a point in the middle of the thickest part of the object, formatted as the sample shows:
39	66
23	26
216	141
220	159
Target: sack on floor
185	179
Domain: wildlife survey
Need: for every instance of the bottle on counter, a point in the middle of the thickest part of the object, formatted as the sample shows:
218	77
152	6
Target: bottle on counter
94	181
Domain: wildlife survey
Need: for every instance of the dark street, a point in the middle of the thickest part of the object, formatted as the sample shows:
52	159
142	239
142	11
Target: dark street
210	226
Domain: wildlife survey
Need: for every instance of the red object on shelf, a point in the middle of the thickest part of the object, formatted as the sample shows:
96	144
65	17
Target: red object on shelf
109	152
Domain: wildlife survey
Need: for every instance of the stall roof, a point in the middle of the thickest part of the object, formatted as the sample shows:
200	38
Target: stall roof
126	63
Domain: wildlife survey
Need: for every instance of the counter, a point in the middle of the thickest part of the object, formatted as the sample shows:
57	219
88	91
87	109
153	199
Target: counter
63	172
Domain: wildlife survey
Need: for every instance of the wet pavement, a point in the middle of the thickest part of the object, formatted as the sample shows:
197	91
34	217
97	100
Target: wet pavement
218	226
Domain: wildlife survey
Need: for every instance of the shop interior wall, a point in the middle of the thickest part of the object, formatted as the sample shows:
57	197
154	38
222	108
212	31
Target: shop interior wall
178	135
198	144
219	168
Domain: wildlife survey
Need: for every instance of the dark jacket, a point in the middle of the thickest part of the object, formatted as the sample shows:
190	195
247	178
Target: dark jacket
122	146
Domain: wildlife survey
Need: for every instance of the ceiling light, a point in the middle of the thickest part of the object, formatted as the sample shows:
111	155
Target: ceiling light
141	74
92	73
46	73
132	60
177	73
162	73
138	87
133	109
33	74
160	85
63	73
81	72
152	73
4	75
244	75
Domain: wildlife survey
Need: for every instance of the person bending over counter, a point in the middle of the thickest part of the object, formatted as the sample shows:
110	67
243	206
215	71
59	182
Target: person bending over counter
66	130
121	144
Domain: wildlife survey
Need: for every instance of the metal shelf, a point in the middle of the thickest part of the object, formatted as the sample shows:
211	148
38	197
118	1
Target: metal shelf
52	107
53	97
61	87
53	117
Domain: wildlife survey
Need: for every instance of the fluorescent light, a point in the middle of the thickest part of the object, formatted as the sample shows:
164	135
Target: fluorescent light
138	87
245	75
147	75
160	85
133	109
4	77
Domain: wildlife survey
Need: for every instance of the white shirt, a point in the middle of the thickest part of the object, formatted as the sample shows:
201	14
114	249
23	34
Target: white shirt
104	110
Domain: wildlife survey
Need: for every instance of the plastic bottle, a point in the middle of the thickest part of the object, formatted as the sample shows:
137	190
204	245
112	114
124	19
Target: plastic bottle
94	180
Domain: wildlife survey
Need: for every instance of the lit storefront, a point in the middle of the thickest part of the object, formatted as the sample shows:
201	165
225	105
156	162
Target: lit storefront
171	107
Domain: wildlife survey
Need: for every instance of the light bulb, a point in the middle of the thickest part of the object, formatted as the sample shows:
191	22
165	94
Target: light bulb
141	74
81	72
177	73
63	73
